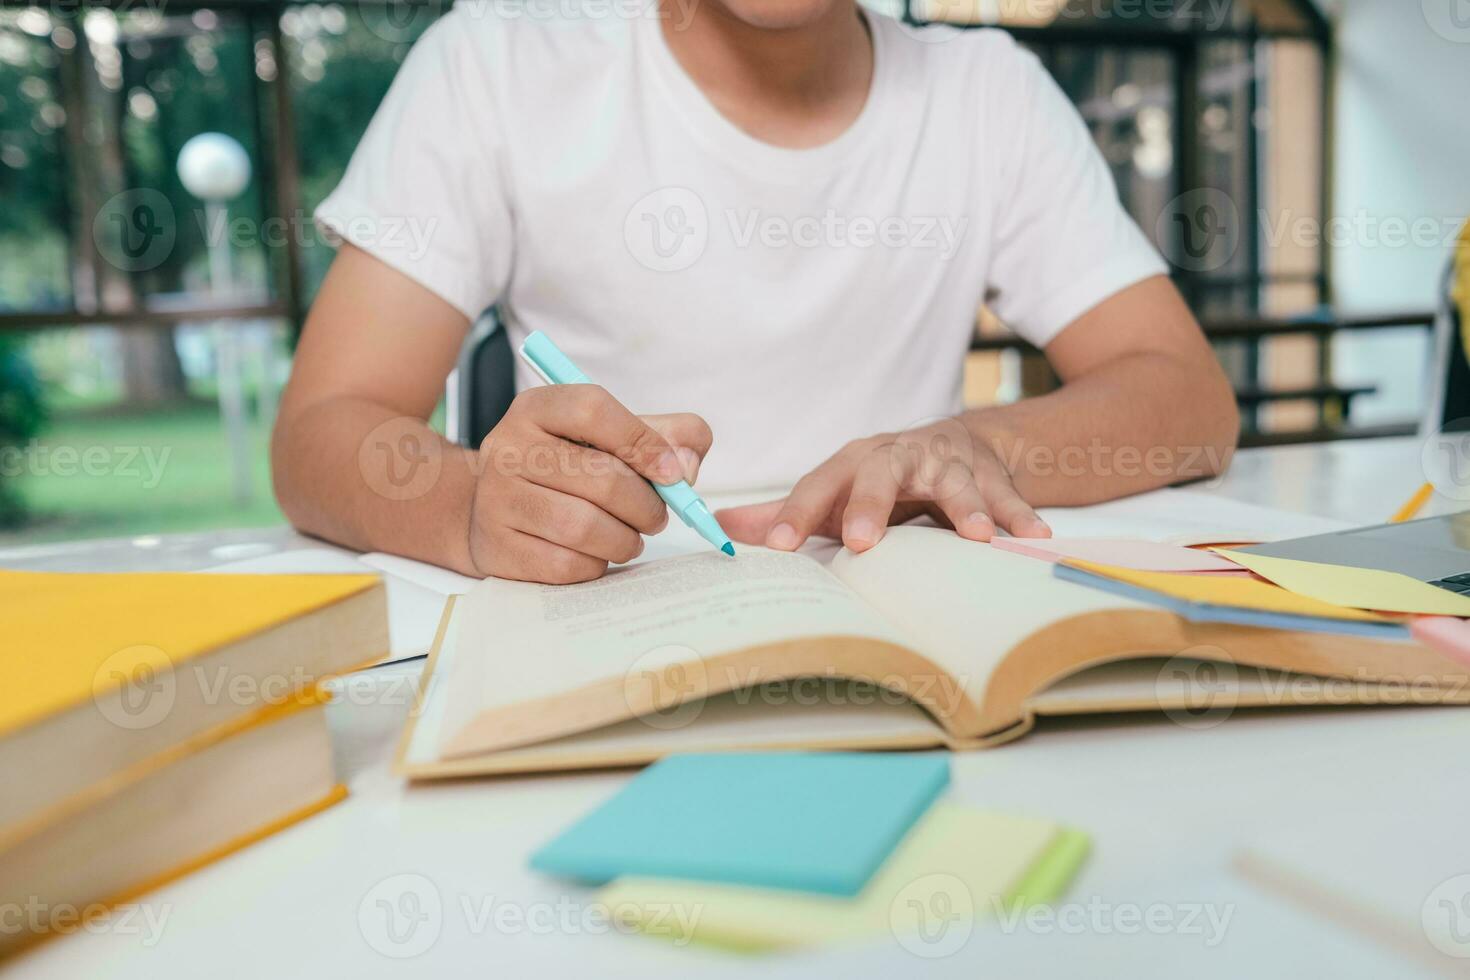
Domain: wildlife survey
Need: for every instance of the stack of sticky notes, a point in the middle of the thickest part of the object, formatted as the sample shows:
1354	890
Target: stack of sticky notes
1243	586
777	850
150	724
1216	585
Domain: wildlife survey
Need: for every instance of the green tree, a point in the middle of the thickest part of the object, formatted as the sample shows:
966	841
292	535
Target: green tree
21	414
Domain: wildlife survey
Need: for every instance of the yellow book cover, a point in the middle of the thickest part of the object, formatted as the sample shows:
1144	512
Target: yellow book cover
103	671
68	635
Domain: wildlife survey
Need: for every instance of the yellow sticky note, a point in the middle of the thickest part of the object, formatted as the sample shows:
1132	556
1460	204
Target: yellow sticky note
1361	588
957	865
1238	593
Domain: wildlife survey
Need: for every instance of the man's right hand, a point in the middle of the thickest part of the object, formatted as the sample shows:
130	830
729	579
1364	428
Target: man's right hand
563	485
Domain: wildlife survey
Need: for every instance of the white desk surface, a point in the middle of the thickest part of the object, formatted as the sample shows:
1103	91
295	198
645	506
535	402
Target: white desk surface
1369	804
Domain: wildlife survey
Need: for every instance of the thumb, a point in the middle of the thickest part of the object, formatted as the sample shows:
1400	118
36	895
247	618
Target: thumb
690	436
749	524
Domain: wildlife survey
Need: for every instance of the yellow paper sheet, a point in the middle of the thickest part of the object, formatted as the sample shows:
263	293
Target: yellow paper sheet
65	638
1362	588
957	865
1240	593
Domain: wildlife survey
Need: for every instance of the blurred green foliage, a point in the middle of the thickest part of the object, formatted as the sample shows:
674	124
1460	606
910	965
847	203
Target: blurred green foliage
92	104
21	415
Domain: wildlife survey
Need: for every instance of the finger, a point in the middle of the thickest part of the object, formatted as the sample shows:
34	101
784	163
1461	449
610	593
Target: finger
871	499
1012	513
690	436
587	413
749	524
809	507
595	476
573	523
965	509
527	558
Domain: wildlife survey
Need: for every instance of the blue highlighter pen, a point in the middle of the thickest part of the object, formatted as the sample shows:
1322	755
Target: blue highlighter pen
556	368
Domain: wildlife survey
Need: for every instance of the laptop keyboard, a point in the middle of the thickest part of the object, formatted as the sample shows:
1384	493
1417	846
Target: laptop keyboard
1455	583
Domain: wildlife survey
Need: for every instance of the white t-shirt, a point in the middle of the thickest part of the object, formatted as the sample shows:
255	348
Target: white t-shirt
570	171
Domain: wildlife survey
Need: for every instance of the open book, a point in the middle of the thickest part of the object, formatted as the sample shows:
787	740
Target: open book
926	640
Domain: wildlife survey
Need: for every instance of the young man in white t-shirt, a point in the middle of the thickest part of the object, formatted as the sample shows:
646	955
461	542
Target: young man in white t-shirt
763	223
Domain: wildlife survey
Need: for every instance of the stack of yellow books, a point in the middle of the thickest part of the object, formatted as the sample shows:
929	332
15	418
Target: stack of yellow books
150	724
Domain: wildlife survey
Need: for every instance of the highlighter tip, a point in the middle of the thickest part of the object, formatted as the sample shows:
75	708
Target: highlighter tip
728	549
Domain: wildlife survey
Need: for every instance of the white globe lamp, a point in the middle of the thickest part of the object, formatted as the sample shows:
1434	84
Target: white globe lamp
214	167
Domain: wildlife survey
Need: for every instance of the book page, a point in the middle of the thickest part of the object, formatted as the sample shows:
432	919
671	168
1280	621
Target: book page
962	604
520	642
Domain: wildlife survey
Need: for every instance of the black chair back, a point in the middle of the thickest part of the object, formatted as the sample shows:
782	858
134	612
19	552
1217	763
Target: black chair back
487	382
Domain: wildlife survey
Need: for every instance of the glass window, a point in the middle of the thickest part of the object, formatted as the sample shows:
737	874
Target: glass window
342	61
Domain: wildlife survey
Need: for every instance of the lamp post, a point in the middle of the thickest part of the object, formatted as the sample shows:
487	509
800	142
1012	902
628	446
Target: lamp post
216	169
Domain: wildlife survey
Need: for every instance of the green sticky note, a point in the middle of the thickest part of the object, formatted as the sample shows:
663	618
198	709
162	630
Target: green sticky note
805	821
958	865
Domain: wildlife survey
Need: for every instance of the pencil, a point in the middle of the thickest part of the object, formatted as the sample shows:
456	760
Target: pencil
1416	503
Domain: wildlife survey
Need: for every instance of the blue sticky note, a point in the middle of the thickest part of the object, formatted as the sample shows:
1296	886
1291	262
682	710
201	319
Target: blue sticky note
807	821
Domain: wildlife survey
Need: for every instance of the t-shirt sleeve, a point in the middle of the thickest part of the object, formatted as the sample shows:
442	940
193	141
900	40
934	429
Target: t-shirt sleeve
424	191
1063	242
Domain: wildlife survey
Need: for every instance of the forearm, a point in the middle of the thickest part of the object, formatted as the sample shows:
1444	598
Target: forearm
1140	422
363	476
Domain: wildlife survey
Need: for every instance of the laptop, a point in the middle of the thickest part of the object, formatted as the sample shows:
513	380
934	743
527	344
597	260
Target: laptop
1434	550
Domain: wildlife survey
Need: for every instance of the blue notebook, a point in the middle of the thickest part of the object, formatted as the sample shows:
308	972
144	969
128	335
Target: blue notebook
806	821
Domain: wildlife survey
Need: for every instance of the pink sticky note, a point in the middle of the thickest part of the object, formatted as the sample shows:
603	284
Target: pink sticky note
1445	634
1142	556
